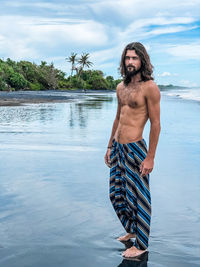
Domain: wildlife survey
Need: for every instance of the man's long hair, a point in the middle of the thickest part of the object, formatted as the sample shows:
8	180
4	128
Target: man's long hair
146	66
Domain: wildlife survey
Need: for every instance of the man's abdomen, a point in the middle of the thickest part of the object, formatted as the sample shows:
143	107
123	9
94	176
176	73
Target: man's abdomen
127	134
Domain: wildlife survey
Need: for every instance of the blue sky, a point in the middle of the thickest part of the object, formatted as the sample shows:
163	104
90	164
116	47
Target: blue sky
51	30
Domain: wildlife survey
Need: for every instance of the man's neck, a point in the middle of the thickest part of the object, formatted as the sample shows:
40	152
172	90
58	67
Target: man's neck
135	79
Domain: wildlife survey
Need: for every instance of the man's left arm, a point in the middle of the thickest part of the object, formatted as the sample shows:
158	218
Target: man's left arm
153	106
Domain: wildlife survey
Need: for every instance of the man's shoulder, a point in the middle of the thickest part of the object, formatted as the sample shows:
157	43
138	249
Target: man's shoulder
119	86
150	84
151	88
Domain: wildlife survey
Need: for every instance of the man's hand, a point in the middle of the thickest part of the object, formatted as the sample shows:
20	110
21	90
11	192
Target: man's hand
107	157
146	166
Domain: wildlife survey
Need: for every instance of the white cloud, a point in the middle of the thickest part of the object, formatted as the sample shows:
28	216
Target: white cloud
105	54
134	9
167	74
185	51
107	65
166	30
67	8
142	28
16	48
30	33
52	33
164	74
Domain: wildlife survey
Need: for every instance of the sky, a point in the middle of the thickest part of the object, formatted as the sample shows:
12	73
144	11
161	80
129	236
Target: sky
39	30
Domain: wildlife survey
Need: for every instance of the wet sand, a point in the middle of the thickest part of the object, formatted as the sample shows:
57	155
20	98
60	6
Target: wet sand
54	202
19	98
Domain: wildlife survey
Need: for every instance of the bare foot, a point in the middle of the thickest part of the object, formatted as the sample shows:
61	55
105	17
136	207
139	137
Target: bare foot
126	237
133	252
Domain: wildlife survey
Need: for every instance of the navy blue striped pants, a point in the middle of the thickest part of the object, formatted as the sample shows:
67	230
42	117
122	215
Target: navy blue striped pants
129	191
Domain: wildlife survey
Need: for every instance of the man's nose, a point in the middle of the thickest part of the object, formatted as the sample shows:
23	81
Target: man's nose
130	61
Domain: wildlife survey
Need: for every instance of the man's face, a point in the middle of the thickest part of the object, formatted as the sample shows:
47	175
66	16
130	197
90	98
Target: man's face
132	62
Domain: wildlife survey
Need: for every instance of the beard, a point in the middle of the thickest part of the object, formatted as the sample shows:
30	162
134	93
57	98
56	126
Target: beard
129	74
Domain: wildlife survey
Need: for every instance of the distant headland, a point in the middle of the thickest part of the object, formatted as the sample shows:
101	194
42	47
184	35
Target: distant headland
169	86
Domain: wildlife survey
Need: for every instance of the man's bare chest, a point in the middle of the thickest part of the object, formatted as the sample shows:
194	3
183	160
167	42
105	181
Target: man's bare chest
133	98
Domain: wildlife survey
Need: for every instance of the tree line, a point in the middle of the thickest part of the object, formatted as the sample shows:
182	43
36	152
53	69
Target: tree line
25	75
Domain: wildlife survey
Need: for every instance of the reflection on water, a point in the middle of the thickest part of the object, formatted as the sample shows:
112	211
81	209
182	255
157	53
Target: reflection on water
55	209
79	112
137	262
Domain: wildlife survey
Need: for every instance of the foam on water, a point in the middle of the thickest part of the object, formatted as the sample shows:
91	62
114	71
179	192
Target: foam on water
188	93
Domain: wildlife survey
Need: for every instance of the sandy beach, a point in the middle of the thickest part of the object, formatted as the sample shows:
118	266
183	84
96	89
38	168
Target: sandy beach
54	185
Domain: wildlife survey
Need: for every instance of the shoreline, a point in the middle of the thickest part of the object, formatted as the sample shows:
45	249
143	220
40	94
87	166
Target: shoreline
18	98
21	97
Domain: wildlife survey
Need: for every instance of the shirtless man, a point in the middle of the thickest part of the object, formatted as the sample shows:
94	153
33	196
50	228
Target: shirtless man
127	156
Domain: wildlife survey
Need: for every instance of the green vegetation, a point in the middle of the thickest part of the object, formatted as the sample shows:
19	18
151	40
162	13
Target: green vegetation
24	75
29	76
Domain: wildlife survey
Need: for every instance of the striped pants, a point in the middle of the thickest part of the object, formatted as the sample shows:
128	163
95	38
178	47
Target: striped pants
129	191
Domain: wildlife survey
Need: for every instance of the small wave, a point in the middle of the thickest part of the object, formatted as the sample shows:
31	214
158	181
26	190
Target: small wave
48	148
188	94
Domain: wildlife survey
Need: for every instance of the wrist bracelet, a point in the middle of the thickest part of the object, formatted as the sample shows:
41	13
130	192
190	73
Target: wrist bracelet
109	147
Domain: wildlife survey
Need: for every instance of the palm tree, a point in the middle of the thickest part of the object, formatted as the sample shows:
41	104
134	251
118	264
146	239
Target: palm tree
43	64
83	61
72	59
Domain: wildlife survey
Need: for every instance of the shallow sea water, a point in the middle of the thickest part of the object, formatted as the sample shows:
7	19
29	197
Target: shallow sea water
54	204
